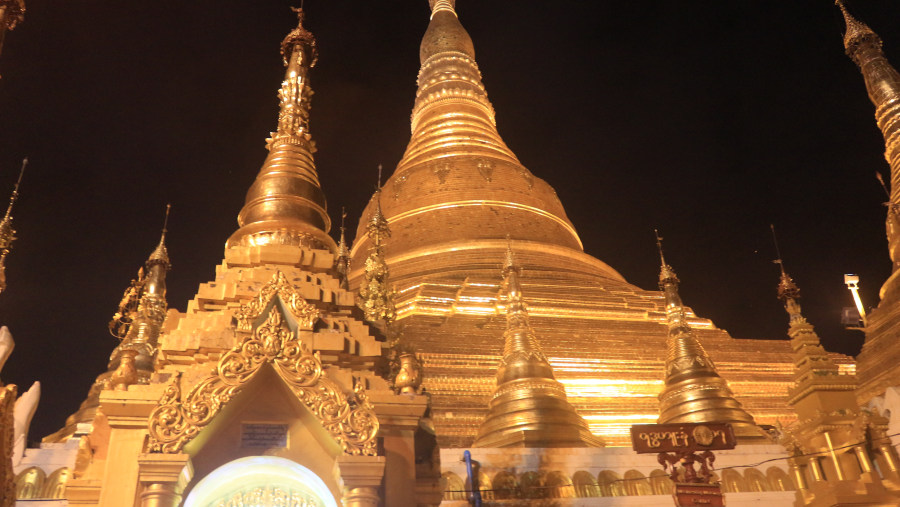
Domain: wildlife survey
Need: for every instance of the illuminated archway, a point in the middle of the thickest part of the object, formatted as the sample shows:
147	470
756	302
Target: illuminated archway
261	481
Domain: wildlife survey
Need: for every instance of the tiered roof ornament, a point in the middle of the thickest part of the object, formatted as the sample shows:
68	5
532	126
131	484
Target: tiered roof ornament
376	296
529	407
7	233
286	205
694	391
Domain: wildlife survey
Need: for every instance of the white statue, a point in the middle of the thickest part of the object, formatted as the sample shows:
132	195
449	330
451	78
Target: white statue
6	345
22	414
25	405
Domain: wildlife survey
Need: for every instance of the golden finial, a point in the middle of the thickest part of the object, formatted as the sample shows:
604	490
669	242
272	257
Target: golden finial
376	296
666	273
516	310
142	325
342	262
343	251
857	32
668	283
286	205
299	37
7	233
149	280
787	289
161	253
377	227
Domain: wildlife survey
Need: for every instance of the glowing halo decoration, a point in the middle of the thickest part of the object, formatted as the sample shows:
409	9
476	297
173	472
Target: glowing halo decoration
261	481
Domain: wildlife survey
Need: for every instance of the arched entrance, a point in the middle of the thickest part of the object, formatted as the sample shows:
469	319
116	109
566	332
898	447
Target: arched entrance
261	481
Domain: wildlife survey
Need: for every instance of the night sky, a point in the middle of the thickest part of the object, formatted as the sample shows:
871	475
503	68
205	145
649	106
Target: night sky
706	119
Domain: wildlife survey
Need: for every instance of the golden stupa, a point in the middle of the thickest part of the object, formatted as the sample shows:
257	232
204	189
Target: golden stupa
455	195
529	406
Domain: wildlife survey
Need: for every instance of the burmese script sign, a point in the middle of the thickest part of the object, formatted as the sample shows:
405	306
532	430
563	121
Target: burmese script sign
264	435
656	438
699	495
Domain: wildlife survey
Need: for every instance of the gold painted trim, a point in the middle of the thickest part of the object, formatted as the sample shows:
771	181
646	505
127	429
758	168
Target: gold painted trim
486	202
350	419
466	245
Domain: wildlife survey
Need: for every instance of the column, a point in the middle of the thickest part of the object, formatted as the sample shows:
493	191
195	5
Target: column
398	418
816	468
163	478
798	475
890	456
126	413
362	476
864	462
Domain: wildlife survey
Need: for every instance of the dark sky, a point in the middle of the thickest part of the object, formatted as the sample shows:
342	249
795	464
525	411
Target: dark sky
706	119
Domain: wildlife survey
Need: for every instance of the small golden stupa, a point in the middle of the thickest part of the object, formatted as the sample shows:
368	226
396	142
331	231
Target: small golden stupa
529	406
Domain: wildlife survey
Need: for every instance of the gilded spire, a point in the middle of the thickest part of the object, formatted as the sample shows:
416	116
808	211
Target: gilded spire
694	392
376	296
813	368
883	85
286	205
342	262
142	332
7	233
857	33
529	407
137	323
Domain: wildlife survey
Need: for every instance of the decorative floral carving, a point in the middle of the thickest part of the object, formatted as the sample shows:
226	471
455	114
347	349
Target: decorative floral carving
305	313
350	418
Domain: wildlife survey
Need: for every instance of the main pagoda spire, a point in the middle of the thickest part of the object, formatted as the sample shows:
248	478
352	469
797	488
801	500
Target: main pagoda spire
529	407
286	205
694	391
